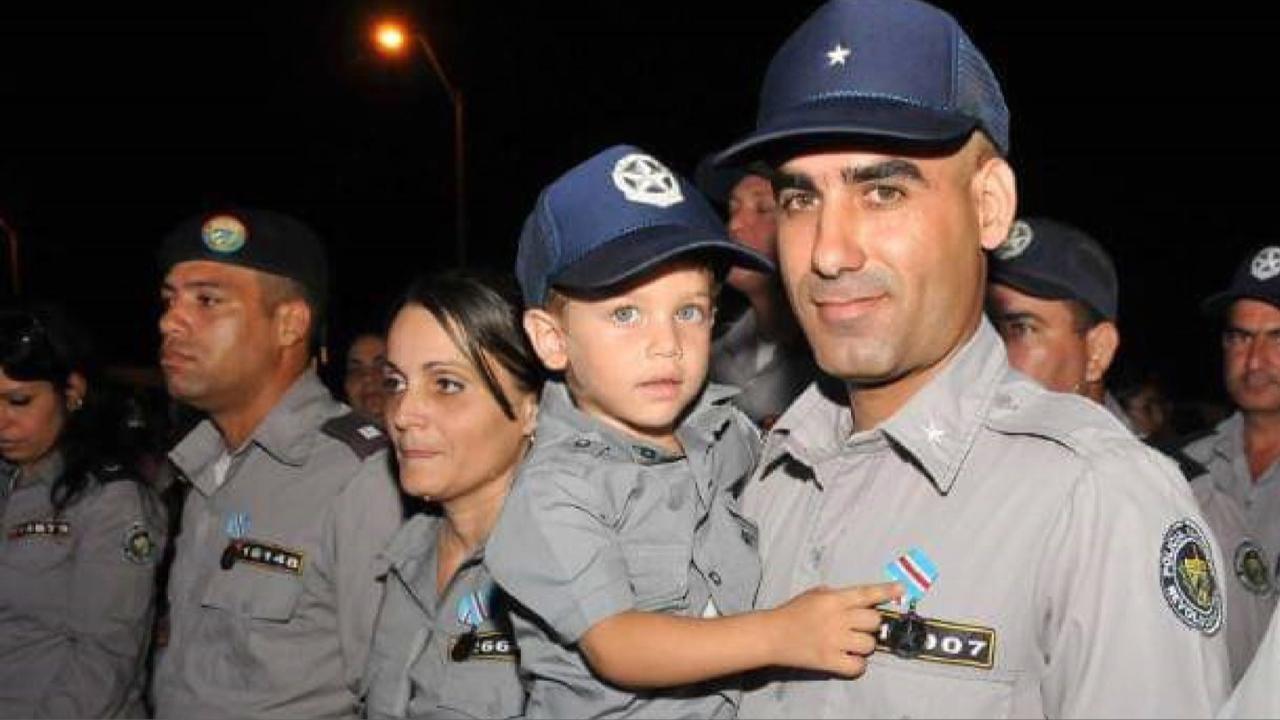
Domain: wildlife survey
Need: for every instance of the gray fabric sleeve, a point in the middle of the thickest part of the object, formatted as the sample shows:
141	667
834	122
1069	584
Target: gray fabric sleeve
111	607
366	514
1116	647
553	550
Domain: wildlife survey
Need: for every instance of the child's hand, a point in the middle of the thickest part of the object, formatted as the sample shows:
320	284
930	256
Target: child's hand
831	630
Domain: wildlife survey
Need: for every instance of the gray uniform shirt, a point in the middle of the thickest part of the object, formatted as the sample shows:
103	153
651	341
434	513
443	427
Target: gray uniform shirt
765	391
1075	574
76	595
1250	587
598	524
274	587
1222	454
440	652
1257	695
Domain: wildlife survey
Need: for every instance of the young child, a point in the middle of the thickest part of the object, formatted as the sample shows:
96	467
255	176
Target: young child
621	543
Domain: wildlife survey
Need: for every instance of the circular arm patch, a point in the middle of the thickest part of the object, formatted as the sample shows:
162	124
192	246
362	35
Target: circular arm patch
1188	579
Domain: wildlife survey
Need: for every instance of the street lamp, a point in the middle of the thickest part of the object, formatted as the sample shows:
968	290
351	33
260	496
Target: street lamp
390	37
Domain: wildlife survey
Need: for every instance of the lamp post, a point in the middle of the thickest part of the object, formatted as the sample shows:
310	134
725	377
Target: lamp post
390	37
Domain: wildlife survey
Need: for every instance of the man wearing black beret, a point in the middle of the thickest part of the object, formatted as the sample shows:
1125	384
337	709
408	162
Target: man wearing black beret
274	586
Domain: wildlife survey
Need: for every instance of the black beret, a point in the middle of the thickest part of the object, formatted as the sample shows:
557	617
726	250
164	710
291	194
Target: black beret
259	239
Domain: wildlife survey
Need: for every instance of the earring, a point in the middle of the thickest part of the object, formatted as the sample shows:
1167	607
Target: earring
75	403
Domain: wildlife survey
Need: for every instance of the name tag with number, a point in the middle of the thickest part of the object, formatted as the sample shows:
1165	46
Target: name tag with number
945	642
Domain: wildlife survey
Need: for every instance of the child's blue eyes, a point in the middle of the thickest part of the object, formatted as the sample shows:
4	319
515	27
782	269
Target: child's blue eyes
626	315
630	314
690	314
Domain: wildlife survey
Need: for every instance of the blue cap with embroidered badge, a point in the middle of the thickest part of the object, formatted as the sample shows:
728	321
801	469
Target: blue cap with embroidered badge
891	70
1049	259
1257	277
614	218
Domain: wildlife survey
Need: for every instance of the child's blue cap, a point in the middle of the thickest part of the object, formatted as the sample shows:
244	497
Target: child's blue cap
614	218
885	70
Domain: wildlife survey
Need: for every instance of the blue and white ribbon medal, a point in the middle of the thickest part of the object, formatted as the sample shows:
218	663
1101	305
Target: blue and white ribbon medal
915	572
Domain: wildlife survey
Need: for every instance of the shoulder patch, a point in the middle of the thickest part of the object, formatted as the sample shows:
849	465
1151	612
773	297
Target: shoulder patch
1252	569
356	432
1188	579
139	546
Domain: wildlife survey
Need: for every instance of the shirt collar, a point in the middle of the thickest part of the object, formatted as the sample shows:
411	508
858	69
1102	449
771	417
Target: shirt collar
287	433
42	472
558	415
936	428
1229	442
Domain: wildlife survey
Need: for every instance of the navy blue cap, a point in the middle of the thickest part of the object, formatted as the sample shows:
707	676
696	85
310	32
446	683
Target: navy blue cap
718	181
896	70
259	239
1050	259
614	218
1257	278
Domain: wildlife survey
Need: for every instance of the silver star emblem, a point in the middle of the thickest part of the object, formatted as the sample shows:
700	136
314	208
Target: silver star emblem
1266	264
643	179
934	433
837	55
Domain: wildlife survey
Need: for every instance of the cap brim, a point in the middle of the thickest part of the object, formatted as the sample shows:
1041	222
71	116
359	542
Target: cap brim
1215	305
1046	288
638	253
841	121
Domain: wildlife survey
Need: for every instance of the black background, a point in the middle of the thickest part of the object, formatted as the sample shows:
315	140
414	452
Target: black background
1152	126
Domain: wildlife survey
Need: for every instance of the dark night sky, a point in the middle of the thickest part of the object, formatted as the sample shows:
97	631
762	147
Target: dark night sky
1151	127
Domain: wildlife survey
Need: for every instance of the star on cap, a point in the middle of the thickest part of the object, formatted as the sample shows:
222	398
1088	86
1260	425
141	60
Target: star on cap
837	55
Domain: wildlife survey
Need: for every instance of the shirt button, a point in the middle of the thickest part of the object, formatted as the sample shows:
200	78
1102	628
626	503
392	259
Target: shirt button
581	443
815	557
714	577
748	538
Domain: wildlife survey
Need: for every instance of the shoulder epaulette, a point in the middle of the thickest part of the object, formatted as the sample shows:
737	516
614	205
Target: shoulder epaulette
356	432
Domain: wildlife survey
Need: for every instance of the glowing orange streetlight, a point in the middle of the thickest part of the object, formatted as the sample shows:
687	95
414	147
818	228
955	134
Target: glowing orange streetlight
390	36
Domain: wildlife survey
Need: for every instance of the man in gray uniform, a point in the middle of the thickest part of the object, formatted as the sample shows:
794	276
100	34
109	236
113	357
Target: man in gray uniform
1055	566
1239	455
762	352
274	586
1053	296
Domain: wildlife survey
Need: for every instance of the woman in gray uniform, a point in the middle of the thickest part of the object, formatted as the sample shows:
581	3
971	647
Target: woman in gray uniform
462	394
79	535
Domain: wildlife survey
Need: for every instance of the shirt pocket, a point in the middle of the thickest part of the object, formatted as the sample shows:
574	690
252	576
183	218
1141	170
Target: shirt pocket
659	575
478	688
255	594
34	555
918	689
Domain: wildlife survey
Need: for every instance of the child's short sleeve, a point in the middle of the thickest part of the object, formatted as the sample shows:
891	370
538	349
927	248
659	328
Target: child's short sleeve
554	551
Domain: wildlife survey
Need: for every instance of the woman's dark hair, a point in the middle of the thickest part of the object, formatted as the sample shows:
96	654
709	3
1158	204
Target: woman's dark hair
40	343
482	318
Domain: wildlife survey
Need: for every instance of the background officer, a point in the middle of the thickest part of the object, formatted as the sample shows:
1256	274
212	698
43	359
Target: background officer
80	533
1052	296
762	351
1055	566
1240	453
274	586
